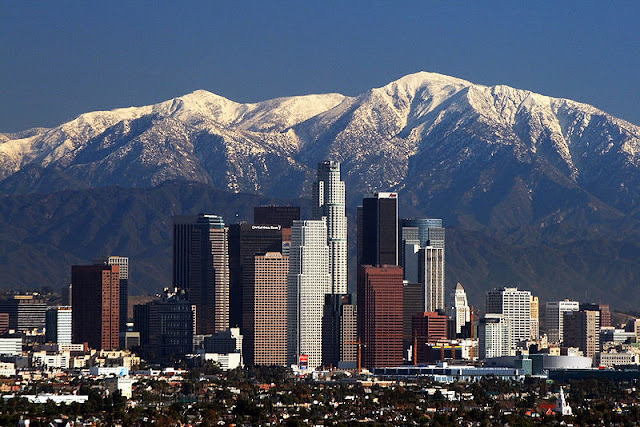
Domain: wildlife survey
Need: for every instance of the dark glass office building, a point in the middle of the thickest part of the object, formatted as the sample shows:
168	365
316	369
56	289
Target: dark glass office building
278	215
378	227
246	240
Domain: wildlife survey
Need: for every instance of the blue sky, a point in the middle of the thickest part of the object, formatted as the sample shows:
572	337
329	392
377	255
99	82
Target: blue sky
60	59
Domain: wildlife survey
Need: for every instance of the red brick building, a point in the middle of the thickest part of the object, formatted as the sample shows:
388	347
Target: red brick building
428	328
380	315
95	317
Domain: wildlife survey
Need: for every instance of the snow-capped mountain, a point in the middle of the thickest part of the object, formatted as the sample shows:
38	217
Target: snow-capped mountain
488	155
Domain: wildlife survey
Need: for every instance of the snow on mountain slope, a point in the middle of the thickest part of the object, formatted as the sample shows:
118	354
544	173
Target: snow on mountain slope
442	139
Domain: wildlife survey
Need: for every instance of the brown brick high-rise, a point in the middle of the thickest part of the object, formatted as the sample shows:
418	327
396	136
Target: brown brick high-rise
265	309
428	328
95	317
380	315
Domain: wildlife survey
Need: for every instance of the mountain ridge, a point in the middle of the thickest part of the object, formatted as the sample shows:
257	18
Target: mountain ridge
525	170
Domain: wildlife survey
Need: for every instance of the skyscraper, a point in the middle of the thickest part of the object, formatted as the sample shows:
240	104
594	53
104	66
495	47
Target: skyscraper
123	263
422	254
201	267
428	328
171	327
329	203
26	312
515	306
494	336
412	305
554	318
246	240
308	282
378	239
582	330
278	215
431	274
380	315
460	311
535	317
58	328
339	332
96	305
265	309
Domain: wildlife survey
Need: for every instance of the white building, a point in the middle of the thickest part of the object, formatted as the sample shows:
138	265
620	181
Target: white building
58	325
308	281
120	371
7	369
612	359
553	318
51	360
10	346
494	336
431	274
329	202
123	384
55	398
226	361
459	310
515	306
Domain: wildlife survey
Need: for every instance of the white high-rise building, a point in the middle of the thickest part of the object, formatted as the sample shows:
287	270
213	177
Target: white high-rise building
459	310
308	282
329	202
431	274
515	306
554	318
494	336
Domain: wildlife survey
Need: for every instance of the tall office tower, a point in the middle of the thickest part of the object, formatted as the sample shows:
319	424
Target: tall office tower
279	215
58	329
424	231
412	305
515	305
201	267
378	230
171	326
582	330
554	318
329	203
419	232
431	274
123	263
535	318
246	240
141	322
96	305
494	336
308	281
605	312
339	332
265	310
459	310
422	255
26	312
380	315
428	328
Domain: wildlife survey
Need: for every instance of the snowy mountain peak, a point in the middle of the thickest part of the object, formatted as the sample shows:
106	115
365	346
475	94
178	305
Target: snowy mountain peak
420	133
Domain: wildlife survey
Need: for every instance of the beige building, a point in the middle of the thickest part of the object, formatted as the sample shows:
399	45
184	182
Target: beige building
582	330
535	317
265	310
